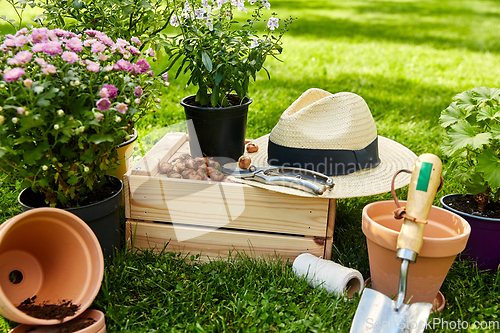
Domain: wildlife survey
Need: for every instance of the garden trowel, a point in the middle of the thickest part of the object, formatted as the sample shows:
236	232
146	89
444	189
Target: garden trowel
376	312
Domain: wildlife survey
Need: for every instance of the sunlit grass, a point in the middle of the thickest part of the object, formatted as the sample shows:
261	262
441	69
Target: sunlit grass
407	59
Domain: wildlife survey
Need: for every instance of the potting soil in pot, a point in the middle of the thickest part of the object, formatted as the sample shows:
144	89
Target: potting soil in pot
468	205
47	310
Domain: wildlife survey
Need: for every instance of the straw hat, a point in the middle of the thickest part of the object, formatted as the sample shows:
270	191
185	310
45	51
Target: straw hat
334	134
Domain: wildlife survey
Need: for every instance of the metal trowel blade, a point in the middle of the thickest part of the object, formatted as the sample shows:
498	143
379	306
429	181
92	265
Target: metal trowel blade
376	313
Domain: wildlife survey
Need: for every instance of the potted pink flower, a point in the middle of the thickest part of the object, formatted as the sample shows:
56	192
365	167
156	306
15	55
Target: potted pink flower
66	102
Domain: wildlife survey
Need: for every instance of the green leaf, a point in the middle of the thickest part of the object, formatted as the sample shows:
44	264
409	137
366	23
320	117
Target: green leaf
475	184
214	98
495	131
30	122
73	180
465	100
100	138
31	156
488	112
218	77
484	94
207	62
464	135
489	164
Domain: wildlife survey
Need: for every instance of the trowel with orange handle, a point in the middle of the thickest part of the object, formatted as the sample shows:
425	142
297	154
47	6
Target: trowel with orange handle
378	313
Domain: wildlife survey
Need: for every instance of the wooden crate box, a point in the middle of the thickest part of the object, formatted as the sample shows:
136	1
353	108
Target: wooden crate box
213	218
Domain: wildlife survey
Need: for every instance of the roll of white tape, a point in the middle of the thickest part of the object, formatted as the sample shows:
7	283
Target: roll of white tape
329	275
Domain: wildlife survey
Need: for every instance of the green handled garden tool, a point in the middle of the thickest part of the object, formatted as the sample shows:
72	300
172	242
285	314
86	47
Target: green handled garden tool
376	312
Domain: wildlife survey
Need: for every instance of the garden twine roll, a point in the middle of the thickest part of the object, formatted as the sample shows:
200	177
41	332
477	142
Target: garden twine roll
329	275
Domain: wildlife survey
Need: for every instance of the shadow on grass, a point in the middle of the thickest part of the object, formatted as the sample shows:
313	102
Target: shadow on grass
442	25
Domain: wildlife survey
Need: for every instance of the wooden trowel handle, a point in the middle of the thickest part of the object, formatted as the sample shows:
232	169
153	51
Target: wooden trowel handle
424	183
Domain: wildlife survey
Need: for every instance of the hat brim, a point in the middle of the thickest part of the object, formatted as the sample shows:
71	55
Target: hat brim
393	157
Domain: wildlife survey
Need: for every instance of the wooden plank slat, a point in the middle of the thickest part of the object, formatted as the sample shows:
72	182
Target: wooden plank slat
330	225
163	149
218	243
237	206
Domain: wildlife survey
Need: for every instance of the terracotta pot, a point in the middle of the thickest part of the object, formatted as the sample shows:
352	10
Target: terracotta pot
99	325
125	151
51	254
483	246
445	236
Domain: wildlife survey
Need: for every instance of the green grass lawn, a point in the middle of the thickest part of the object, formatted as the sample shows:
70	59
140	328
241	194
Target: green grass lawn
407	59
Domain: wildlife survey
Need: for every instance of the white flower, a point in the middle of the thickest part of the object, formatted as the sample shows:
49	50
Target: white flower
255	43
174	21
15	120
45	168
209	23
266	4
56	127
200	13
118	119
86	169
273	23
60	112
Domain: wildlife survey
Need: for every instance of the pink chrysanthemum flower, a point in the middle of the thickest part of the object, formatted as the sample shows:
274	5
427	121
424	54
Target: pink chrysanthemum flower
22	31
105	39
91	32
136	41
133	50
41	62
21	40
14	74
92	66
122	42
111	91
138	91
27	83
49	69
103	104
151	52
37	48
143	65
61	33
39	35
122	108
70	57
98	116
23	57
75	44
52	48
20	110
124	65
98	47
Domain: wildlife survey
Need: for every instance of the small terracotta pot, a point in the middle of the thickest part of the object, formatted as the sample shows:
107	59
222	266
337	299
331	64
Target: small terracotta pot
445	236
99	325
51	254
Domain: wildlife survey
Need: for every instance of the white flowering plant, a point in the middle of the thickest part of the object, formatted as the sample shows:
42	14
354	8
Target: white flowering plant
66	102
220	54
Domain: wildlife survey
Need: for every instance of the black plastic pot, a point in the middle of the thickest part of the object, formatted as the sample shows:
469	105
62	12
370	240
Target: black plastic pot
219	132
102	217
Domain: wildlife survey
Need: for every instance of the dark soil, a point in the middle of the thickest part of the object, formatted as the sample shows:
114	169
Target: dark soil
75	325
107	190
46	310
467	204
